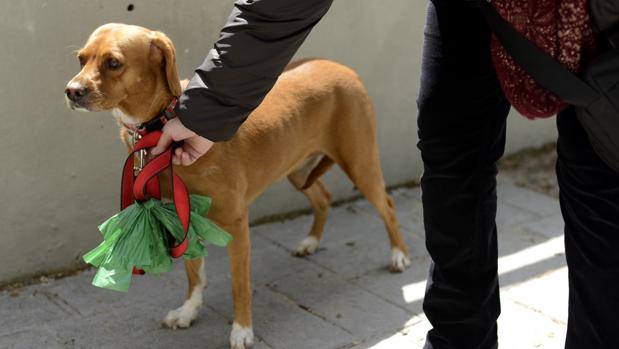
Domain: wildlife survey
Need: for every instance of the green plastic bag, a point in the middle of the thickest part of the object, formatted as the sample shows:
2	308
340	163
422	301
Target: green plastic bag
134	237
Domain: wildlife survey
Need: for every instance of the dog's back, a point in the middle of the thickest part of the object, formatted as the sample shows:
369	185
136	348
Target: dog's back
313	97
319	103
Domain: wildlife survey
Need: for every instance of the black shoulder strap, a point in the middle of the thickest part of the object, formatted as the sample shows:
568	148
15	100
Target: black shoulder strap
546	71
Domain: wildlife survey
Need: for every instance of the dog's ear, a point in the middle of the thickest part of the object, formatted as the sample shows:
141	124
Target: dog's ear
163	52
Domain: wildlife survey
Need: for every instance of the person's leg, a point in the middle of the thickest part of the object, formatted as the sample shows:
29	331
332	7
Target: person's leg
462	114
589	194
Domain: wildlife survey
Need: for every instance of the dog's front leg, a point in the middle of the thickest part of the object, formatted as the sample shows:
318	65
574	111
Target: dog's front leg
242	335
183	316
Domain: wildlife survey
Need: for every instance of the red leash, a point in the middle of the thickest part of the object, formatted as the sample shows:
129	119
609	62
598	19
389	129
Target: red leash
145	185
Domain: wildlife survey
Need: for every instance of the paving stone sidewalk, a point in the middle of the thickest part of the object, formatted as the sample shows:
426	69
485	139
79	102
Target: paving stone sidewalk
342	297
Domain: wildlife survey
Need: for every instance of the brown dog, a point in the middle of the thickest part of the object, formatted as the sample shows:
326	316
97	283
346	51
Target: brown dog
318	114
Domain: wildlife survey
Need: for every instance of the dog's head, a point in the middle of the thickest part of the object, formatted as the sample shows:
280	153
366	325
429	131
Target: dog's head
125	67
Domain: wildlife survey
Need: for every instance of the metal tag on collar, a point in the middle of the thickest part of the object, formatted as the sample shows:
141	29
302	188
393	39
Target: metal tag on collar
141	155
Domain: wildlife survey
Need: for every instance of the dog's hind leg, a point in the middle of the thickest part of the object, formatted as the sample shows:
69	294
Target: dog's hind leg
358	157
320	199
368	177
182	316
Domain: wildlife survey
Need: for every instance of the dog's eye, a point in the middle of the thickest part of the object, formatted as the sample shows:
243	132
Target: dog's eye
82	62
112	63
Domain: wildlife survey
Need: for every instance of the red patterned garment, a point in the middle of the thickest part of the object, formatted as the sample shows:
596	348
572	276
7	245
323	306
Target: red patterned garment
562	28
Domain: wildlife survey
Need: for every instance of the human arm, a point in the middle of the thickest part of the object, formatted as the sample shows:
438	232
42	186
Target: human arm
257	42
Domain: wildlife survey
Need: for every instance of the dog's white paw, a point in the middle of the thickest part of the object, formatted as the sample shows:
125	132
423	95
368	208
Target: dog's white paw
307	247
399	260
181	317
241	337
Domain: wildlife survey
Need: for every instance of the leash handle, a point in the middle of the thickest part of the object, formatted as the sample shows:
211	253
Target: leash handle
146	183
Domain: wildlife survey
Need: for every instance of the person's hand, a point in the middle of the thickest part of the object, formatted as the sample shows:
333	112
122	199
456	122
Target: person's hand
194	146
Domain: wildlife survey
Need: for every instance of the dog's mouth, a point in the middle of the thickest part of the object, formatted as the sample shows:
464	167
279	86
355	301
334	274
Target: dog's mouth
76	106
83	106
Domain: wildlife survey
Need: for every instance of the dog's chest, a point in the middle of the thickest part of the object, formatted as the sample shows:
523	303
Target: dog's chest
124	118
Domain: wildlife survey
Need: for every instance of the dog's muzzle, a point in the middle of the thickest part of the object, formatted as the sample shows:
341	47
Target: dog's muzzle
77	94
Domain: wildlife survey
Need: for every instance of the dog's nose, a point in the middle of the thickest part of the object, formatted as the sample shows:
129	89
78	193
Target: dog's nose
76	91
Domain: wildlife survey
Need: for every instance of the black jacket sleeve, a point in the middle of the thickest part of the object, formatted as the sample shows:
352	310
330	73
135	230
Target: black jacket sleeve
257	42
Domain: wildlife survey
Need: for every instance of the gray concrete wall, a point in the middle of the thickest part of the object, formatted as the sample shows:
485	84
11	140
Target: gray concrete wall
59	170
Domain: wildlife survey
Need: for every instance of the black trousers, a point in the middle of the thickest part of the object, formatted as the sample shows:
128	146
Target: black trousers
462	118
